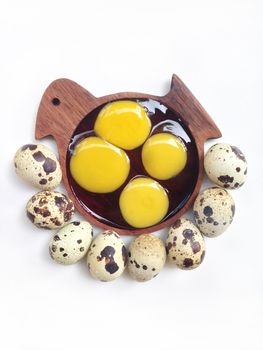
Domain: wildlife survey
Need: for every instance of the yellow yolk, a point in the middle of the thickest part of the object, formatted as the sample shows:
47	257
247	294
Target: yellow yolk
124	124
164	156
143	202
98	166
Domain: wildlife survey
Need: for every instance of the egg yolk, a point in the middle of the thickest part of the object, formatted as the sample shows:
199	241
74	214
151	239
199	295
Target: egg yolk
98	166
124	124
164	156
143	202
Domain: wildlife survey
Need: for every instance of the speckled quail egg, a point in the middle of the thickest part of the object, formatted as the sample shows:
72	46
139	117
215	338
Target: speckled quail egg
214	210
49	209
226	166
185	245
38	165
71	243
146	257
107	256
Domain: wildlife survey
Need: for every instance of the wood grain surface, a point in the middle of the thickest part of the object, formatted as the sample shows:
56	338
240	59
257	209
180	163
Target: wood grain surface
65	103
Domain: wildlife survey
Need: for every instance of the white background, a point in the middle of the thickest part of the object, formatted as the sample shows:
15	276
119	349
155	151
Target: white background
110	46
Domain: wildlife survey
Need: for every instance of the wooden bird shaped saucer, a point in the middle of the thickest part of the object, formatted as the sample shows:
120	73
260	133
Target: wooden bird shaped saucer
67	110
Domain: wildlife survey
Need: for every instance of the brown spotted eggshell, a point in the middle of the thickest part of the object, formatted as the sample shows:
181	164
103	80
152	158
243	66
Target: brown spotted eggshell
107	256
226	166
49	209
38	165
146	257
185	245
71	243
214	210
